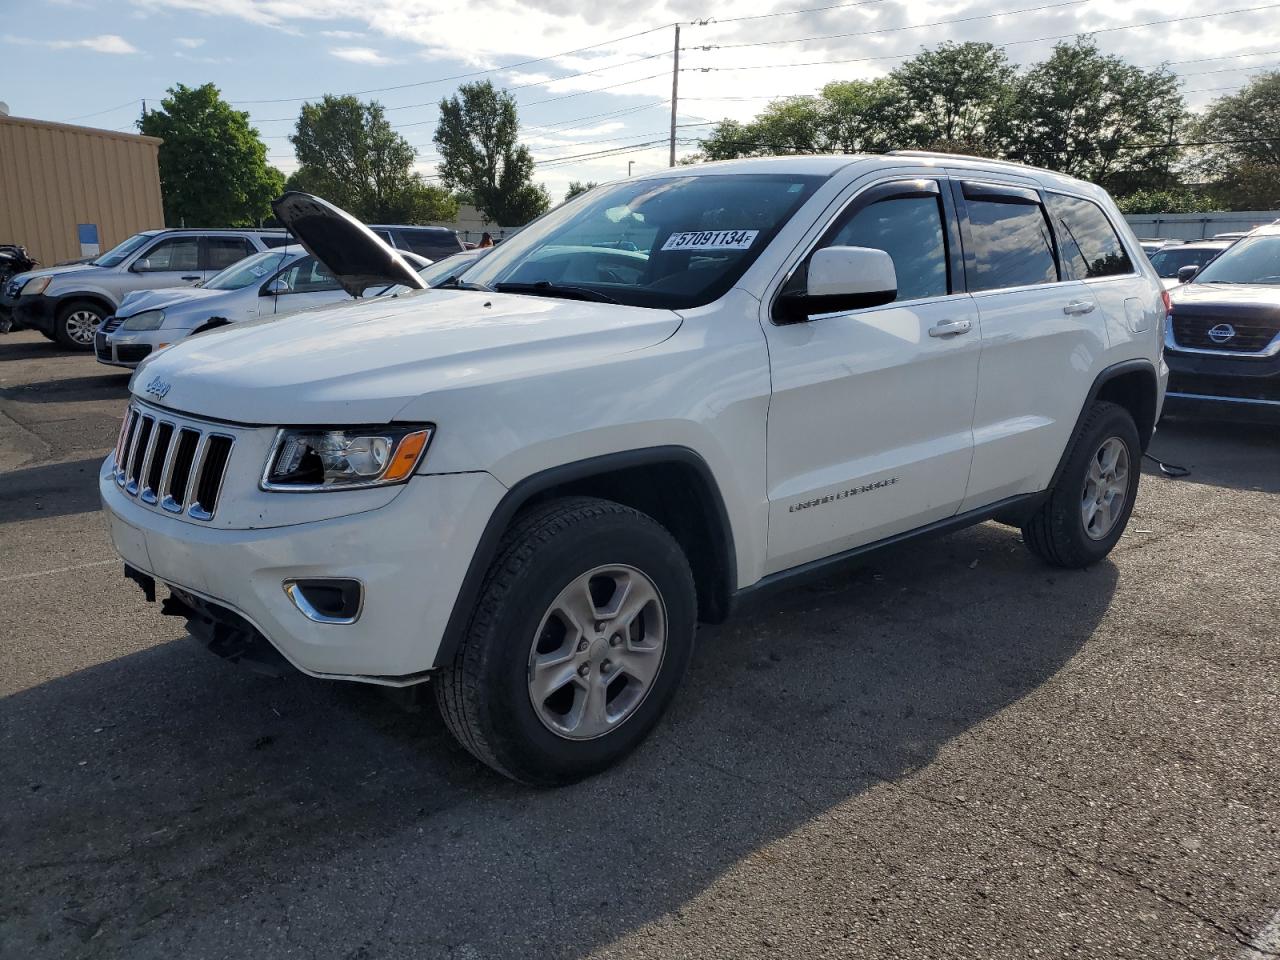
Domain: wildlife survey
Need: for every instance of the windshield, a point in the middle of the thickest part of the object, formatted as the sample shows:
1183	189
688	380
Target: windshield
251	269
1252	260
1172	259
675	243
121	250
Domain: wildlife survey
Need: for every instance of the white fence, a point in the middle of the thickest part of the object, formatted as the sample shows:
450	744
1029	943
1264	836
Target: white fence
1197	226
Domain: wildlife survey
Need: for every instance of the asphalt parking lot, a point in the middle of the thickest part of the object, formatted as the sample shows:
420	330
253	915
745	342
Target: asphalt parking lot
952	751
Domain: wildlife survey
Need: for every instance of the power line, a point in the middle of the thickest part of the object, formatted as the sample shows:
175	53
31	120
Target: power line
86	116
913	26
1010	43
715	21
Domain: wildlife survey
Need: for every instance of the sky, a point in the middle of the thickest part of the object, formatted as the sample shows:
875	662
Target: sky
592	80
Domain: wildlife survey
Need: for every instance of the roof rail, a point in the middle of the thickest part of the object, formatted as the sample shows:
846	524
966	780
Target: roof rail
939	155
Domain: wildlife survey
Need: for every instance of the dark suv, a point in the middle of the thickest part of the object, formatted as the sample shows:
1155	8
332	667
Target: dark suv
1223	344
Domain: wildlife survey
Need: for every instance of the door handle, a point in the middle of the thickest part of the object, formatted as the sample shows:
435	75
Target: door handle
1078	308
951	328
194	276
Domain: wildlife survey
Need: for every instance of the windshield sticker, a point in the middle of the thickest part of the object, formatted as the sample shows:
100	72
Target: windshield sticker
260	270
711	240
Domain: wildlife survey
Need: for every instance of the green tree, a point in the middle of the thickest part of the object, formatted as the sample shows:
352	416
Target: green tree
213	164
350	156
477	140
1099	118
958	97
577	186
864	116
1243	161
1171	200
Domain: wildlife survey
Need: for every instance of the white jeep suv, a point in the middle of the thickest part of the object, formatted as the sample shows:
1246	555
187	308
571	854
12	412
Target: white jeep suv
662	398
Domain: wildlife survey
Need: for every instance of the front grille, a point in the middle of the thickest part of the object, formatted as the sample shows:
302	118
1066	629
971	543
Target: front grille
110	324
178	467
132	352
1251	336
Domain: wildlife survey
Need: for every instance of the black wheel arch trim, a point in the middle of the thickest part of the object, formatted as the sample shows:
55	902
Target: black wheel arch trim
516	498
1113	372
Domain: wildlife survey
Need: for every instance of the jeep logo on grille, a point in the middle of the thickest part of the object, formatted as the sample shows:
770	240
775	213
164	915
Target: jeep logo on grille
158	387
1222	333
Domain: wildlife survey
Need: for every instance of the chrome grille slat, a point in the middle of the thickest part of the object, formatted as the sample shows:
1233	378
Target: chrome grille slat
157	454
130	474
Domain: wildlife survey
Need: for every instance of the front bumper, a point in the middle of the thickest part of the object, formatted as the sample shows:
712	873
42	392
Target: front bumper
35	312
410	555
127	348
1227	384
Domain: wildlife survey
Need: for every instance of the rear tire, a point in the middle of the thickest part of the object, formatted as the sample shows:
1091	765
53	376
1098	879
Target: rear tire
582	632
1089	506
76	324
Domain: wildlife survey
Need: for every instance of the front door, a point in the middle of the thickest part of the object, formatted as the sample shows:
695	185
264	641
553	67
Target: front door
306	283
870	421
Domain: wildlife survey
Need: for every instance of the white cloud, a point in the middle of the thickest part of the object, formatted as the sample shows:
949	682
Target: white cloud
365	55
341	34
103	43
189	42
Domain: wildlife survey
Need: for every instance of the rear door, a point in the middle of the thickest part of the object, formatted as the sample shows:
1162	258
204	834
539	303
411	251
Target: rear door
870	420
220	252
1042	338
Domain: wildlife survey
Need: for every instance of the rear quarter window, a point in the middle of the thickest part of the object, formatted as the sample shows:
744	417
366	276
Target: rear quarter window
1090	245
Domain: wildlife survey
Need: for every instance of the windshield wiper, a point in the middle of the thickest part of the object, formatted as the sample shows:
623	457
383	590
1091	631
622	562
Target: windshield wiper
545	288
453	283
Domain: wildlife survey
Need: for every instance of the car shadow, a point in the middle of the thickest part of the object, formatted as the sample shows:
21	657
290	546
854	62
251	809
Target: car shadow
168	798
110	384
50	490
1220	453
16	347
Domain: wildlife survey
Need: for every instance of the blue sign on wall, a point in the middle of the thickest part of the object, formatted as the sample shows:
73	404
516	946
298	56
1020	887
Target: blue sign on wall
88	233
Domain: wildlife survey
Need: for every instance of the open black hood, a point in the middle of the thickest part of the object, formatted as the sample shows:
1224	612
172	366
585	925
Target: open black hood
354	254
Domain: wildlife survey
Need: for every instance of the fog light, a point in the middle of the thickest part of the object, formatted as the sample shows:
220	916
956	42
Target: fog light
326	599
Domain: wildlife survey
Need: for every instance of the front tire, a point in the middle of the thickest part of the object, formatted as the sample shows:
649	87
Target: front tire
1089	506
76	324
582	632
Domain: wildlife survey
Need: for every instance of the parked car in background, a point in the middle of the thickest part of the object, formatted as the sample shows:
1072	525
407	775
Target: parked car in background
1223	344
1169	260
271	283
530	484
67	304
434	243
1150	246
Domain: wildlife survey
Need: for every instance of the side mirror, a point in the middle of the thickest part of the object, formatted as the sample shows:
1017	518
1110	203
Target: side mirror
1187	272
140	266
276	287
839	279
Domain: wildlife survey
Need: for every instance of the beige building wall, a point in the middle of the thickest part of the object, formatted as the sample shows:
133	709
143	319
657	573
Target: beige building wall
54	176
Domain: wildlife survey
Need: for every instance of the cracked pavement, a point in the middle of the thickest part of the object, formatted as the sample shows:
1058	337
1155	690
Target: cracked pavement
949	751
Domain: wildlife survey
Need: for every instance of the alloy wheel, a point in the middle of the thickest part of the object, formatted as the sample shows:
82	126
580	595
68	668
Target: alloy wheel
597	652
1105	488
81	325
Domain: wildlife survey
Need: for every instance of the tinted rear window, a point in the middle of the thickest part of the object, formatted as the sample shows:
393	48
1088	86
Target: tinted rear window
1011	245
1089	243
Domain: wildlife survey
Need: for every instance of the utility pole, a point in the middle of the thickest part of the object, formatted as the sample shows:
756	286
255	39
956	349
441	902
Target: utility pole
144	114
675	95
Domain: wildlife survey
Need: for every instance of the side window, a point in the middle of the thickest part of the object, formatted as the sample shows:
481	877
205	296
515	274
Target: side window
910	230
222	252
1089	243
308	276
1010	238
175	253
273	240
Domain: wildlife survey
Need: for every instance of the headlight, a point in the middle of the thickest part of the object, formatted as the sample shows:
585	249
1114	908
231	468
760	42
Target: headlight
319	459
37	285
146	320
